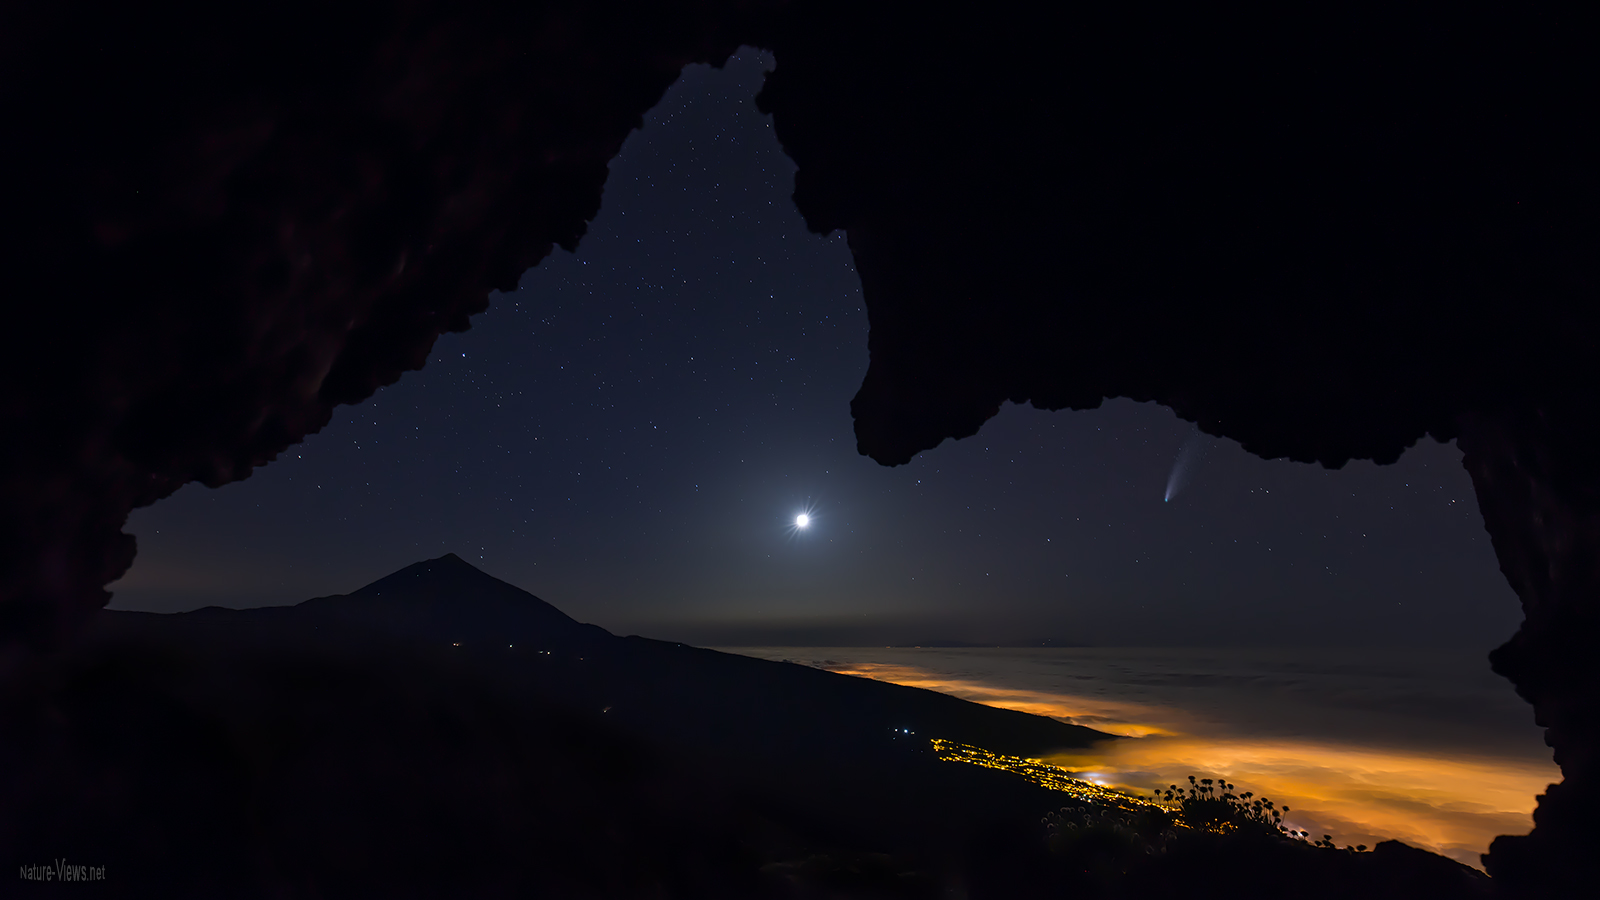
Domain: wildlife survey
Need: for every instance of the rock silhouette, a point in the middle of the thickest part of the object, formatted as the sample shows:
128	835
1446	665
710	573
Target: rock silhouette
1325	231
442	733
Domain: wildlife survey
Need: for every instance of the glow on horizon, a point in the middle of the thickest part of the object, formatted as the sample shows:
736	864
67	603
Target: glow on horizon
1111	717
1451	803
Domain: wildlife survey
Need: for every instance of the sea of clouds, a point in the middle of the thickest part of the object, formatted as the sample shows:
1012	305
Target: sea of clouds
1427	746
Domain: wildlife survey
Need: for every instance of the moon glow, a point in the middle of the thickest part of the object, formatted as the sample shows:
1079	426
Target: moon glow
802	520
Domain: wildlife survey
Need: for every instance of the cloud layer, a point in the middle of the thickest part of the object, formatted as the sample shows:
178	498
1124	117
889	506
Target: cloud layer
1451	784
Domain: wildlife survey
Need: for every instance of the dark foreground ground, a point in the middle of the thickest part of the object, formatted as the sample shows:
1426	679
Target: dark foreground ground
442	734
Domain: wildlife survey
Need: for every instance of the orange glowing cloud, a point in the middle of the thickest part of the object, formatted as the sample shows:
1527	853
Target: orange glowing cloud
1452	804
1110	716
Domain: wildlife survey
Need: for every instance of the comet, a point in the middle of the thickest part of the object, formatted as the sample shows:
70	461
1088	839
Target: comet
1188	456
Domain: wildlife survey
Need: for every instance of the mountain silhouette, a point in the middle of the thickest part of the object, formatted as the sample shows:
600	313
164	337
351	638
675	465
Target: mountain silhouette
685	695
451	600
440	732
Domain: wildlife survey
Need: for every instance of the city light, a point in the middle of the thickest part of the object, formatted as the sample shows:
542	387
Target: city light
1041	773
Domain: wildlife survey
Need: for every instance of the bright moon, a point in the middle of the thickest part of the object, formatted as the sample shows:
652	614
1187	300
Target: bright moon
802	520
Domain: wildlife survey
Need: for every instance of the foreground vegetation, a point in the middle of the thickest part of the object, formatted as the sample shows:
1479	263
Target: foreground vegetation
1208	839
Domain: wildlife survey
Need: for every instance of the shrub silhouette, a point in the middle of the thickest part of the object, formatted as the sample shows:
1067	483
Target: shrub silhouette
1211	805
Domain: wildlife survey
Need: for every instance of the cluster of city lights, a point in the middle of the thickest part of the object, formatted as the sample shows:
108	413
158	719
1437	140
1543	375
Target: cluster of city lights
1043	774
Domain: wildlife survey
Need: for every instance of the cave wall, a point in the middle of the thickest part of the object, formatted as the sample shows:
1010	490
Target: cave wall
1324	230
1534	473
226	220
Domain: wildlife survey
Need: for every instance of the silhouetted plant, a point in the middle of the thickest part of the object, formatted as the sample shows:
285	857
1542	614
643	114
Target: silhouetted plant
1103	843
1211	805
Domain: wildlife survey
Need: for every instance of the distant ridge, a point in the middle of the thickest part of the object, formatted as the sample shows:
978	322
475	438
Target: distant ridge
450	599
439	600
663	692
304	745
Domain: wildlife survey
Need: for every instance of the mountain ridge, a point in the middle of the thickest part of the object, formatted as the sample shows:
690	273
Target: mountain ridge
357	739
668	690
449	598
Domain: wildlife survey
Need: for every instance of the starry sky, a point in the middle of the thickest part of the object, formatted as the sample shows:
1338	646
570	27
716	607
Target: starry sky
631	433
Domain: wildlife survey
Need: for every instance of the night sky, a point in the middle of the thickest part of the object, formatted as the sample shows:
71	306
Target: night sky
631	434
